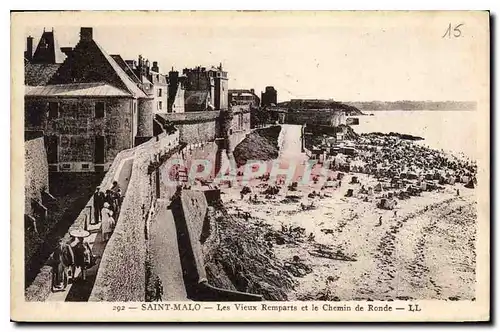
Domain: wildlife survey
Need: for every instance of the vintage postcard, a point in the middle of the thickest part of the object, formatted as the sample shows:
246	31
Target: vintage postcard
250	166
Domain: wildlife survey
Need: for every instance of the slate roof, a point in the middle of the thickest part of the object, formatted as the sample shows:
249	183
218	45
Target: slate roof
196	100
47	50
75	90
39	73
126	68
89	63
131	86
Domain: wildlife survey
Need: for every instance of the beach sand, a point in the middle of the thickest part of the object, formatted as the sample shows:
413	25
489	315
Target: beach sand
427	251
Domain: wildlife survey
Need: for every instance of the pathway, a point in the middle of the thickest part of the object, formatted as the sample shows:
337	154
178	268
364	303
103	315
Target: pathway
164	250
80	290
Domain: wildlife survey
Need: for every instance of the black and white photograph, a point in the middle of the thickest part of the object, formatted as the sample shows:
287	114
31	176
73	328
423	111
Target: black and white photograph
253	161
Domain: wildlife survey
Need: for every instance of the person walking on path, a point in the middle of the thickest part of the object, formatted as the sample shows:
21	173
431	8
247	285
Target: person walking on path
83	256
117	201
115	187
379	221
63	258
98	203
108	222
109	198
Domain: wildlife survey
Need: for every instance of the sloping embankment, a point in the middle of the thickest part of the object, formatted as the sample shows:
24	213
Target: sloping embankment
237	257
261	144
189	209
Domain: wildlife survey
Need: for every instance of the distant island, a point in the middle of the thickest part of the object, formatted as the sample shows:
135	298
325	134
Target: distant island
411	105
320	105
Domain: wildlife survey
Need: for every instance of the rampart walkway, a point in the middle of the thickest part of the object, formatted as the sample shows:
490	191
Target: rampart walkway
79	290
164	253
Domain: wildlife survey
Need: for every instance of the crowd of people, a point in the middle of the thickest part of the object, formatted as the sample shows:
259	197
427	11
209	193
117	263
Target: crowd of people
68	256
390	157
107	207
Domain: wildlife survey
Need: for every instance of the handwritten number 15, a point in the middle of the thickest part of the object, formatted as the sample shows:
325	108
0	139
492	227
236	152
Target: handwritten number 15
456	31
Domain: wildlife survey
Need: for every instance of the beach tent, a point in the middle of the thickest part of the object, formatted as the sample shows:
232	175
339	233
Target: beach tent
387	203
413	191
431	186
412	175
470	184
378	187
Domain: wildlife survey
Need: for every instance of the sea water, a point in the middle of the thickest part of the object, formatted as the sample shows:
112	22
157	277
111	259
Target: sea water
451	131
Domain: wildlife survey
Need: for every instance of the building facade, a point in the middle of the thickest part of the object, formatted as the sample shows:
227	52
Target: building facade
211	84
244	97
88	111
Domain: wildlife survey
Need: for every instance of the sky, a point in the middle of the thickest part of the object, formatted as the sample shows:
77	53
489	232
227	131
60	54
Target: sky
344	56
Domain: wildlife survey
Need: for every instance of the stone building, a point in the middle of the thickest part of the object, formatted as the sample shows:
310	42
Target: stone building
269	97
244	97
88	110
214	85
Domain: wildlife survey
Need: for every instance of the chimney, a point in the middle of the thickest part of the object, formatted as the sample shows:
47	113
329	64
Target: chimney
173	77
147	68
29	48
155	67
252	91
130	63
140	66
86	34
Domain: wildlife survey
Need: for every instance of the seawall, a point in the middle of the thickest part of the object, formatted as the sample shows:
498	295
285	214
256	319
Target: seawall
189	209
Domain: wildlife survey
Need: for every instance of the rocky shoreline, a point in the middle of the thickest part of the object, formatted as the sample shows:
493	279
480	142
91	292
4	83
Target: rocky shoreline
398	135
